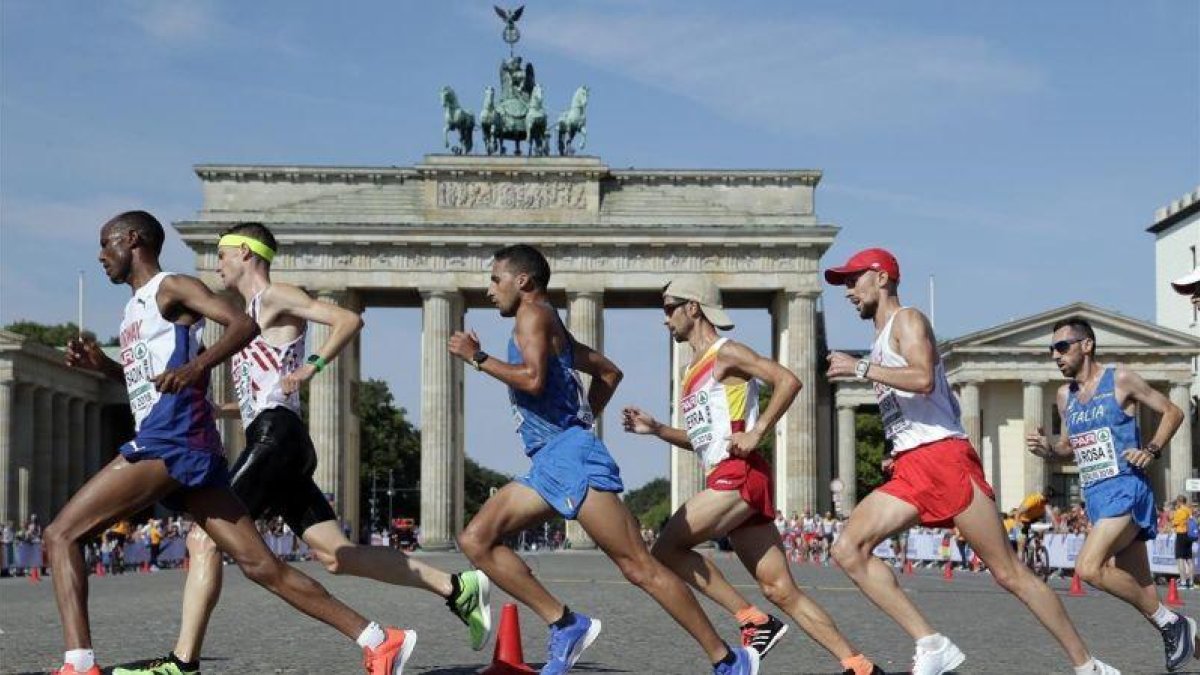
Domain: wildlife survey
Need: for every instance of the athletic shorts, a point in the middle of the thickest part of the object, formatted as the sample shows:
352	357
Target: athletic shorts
751	477
1123	495
273	475
568	464
937	478
1183	546
190	468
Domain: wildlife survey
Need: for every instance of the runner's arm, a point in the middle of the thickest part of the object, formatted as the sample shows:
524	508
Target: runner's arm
1133	386
85	353
638	421
1039	445
916	345
743	361
189	293
344	324
605	375
532	333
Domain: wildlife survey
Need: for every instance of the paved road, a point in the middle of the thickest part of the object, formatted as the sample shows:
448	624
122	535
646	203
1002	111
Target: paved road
135	617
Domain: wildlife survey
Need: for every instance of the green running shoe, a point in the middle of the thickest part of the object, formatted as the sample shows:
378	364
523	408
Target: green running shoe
163	666
471	606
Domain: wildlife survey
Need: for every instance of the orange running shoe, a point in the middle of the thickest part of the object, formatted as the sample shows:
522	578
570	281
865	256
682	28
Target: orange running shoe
389	658
69	669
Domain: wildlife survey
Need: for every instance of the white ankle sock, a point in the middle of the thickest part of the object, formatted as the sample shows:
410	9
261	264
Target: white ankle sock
80	659
1085	669
931	643
371	637
1162	616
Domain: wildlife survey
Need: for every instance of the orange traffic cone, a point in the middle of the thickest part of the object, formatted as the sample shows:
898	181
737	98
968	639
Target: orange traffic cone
99	569
1076	585
1173	598
145	569
36	577
948	575
508	659
908	568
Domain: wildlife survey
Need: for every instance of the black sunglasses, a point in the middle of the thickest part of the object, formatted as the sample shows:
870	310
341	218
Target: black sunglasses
670	309
1063	346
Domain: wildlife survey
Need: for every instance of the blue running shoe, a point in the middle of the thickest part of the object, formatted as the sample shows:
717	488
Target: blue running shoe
566	644
745	662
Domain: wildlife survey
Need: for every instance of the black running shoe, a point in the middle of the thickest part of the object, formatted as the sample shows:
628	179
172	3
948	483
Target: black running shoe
762	637
1179	642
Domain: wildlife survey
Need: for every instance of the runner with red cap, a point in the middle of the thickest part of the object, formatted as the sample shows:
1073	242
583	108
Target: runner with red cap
936	477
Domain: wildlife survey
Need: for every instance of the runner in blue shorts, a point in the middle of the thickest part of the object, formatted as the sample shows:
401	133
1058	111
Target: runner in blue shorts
571	472
1098	406
175	453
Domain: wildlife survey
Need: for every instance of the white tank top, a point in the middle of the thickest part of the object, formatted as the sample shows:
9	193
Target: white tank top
259	369
911	419
712	411
151	345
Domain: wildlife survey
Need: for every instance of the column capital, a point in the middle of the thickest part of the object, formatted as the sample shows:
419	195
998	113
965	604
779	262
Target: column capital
1184	385
440	292
1035	381
847	405
585	293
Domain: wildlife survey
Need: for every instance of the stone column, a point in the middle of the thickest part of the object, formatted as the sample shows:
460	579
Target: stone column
439	457
220	391
93	443
60	476
847	455
687	475
794	322
22	449
585	320
75	447
350	460
8	471
1181	443
968	402
43	454
1034	413
326	399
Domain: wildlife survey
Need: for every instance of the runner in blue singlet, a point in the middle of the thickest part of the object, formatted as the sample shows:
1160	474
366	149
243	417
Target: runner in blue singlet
1098	407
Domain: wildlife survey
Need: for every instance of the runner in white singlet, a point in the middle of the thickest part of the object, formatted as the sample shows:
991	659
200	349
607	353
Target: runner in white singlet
936	477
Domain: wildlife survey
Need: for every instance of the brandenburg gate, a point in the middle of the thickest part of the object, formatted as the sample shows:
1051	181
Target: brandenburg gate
422	236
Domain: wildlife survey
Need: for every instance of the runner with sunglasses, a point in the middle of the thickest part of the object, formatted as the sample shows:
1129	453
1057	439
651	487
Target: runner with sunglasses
1098	407
936	477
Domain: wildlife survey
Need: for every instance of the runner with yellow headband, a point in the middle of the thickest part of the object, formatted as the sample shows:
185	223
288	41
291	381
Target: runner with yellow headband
263	250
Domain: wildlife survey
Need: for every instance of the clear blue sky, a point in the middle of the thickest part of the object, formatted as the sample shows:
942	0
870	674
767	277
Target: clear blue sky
1014	150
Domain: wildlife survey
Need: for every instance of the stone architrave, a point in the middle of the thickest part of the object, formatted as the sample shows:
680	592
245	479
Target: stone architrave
794	319
585	319
441	313
1033	408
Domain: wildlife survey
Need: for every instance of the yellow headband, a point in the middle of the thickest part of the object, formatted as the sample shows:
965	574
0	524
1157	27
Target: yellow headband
264	251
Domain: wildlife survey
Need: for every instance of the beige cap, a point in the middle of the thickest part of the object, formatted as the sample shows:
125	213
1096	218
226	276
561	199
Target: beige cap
1187	283
705	293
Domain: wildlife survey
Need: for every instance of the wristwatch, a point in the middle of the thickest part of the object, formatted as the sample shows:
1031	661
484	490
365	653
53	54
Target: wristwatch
1154	450
478	359
861	368
316	362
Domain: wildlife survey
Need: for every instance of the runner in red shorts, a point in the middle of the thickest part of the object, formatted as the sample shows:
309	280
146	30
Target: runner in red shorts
720	410
936	478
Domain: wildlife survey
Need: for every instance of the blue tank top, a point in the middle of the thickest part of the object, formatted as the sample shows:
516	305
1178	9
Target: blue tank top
1100	432
561	405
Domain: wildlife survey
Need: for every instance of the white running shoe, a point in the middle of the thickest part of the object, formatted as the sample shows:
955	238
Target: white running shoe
1103	668
938	661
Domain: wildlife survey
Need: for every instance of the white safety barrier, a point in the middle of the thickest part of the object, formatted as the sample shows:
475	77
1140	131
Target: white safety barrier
1063	549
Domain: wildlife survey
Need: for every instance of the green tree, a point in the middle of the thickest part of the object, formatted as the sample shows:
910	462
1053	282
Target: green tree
388	443
52	335
645	501
869	451
478	482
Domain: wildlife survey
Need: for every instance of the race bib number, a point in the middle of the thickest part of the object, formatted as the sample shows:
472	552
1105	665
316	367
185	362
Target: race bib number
243	388
139	371
1095	454
894	422
697	419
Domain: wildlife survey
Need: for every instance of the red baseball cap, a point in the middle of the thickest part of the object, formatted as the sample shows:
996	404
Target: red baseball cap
866	259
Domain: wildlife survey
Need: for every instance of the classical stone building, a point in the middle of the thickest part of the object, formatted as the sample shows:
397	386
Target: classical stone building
1006	383
422	236
58	426
1176	231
